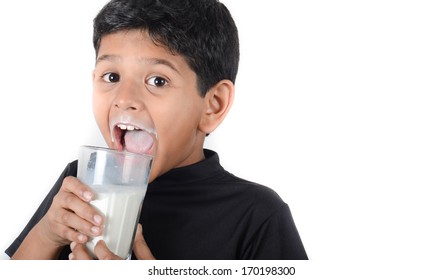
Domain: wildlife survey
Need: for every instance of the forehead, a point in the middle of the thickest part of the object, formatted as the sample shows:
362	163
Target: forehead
135	44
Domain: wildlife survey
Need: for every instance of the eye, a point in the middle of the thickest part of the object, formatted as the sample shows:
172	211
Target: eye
111	77
157	81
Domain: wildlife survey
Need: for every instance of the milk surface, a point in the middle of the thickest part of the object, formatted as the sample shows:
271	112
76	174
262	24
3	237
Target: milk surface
120	206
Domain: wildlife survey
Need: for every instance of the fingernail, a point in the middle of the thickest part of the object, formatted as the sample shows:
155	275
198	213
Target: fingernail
95	230
87	195
82	238
72	246
98	219
71	256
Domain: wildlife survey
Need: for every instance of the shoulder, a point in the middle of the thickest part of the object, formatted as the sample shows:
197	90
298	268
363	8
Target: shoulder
71	168
260	197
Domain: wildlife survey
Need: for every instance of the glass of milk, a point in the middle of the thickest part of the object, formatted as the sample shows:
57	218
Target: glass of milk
119	180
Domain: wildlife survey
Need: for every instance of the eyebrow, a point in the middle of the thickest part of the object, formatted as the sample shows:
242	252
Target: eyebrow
148	60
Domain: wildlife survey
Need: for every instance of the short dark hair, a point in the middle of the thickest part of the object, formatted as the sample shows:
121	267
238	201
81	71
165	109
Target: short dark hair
202	31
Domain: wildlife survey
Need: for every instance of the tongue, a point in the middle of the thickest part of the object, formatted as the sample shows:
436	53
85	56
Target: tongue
138	141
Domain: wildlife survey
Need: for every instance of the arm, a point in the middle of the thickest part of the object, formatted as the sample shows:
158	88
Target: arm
277	238
36	247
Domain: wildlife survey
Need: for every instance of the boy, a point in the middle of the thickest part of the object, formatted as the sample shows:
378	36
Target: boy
170	65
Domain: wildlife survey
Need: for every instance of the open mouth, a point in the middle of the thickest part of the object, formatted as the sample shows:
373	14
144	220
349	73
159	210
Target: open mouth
128	137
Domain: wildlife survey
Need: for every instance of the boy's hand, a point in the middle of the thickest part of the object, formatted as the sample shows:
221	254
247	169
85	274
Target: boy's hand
141	250
70	217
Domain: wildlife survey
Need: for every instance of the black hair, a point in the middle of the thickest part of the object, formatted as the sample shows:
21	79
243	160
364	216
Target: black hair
202	31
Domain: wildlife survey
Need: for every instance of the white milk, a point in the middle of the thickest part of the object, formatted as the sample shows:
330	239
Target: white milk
120	206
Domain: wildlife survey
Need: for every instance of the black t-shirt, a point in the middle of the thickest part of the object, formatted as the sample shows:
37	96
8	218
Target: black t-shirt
202	211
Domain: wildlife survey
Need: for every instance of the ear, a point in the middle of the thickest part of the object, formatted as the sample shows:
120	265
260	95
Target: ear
217	102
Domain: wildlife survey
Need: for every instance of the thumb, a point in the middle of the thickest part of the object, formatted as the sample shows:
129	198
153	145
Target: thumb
141	250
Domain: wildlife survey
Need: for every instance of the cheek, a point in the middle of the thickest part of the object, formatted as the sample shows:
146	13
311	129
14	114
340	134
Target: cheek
179	123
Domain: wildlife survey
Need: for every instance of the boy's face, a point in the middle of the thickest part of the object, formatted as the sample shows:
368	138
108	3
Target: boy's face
139	86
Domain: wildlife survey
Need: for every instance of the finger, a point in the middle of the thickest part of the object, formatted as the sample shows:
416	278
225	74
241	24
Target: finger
81	208
79	252
141	250
103	253
68	199
75	186
52	225
77	225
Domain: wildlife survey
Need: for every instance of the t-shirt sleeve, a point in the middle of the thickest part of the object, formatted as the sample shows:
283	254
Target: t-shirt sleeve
277	239
70	170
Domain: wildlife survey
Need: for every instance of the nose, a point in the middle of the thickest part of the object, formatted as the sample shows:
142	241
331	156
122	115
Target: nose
128	98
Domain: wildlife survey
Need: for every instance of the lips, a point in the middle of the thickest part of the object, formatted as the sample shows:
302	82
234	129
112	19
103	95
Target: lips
132	138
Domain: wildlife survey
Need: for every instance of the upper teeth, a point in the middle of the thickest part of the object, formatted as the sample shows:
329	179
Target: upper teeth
126	127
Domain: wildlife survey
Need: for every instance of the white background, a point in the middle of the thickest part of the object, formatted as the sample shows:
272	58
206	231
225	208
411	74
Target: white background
337	108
